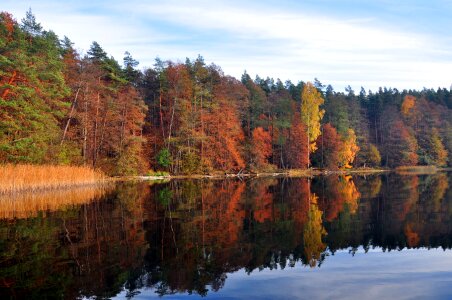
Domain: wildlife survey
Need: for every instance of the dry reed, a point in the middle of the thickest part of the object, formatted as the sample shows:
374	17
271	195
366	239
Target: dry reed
29	204
19	178
416	170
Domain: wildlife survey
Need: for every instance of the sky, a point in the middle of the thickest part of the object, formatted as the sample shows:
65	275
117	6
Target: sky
404	44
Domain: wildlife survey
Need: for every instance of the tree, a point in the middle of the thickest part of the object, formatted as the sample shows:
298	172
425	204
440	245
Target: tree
400	146
349	149
32	92
260	147
374	157
311	115
437	151
30	25
331	147
297	144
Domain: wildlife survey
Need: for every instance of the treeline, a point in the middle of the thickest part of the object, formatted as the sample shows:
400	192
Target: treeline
58	106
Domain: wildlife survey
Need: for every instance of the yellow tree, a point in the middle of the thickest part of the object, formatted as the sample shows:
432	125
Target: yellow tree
349	150
311	114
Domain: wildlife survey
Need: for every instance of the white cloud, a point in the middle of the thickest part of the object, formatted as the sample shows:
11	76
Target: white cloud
264	40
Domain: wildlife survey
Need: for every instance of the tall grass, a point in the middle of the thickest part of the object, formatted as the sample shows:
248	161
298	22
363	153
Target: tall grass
18	178
416	170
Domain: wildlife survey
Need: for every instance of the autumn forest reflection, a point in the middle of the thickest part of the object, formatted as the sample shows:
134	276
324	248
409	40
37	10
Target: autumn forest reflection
186	236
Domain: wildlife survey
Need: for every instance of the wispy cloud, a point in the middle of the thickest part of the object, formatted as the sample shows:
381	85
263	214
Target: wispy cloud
265	38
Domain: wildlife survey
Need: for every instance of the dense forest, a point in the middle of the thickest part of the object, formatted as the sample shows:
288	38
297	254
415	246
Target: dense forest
58	106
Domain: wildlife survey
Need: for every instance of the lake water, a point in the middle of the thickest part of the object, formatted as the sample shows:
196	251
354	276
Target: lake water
333	237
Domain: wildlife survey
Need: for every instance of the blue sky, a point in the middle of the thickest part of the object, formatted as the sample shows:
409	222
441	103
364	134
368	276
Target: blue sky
401	44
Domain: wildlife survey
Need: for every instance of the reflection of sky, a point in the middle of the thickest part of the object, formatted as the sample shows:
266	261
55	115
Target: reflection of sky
403	274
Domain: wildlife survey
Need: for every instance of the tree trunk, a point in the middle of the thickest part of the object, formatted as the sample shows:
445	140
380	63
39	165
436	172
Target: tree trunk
70	116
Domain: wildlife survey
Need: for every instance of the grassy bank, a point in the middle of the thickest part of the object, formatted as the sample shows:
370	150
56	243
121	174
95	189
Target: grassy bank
18	178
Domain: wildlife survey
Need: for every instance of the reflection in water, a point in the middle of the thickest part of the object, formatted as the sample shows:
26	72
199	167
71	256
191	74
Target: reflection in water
186	236
30	204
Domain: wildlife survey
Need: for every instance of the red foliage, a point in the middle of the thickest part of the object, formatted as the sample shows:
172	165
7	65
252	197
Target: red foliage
223	131
297	149
261	146
330	144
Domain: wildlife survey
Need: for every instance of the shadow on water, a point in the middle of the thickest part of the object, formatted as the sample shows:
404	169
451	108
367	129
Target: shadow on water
186	236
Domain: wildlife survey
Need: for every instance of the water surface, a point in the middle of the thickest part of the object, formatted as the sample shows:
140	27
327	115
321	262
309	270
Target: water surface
270	238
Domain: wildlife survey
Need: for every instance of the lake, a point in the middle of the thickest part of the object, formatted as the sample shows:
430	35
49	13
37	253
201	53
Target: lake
330	237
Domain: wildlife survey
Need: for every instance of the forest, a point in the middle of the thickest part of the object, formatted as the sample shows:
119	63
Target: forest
59	106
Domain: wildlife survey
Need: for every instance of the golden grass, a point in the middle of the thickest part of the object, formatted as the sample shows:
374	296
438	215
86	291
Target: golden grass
303	172
416	170
19	178
29	204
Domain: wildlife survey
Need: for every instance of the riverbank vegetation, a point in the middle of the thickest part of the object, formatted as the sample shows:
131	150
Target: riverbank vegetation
32	178
58	106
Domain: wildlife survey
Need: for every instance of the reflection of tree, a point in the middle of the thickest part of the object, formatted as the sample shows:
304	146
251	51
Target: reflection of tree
337	192
313	233
186	236
412	238
368	186
86	250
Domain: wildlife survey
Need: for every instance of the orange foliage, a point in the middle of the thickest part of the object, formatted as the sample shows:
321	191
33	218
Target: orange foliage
340	191
264	204
9	23
297	149
261	146
349	149
408	104
330	144
223	131
411	196
406	140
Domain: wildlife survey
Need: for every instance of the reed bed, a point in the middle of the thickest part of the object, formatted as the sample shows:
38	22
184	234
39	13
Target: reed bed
29	204
19	178
417	170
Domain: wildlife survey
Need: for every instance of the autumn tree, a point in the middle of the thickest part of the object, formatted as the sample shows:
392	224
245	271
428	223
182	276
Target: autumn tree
437	154
297	148
311	115
32	91
400	146
260	147
349	149
330	147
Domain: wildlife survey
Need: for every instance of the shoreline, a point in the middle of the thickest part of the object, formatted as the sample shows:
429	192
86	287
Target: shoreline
44	186
287	173
406	170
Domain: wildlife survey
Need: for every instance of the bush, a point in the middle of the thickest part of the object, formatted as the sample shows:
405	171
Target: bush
164	158
157	173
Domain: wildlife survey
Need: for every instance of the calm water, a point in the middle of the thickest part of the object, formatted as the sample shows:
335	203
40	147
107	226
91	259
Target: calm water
328	238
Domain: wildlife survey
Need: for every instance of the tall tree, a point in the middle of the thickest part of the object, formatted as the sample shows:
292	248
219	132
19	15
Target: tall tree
311	115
